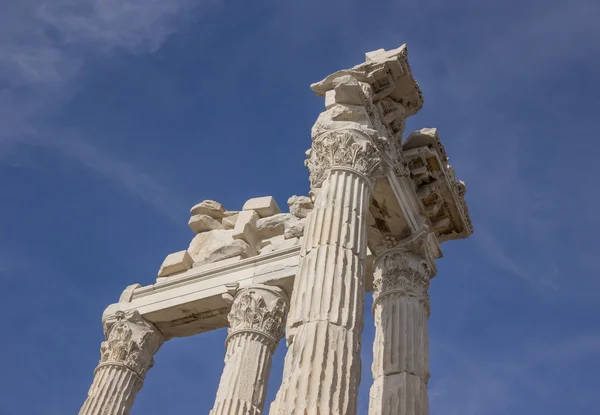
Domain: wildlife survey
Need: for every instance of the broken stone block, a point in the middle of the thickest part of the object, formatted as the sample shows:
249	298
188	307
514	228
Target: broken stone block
245	228
216	245
277	243
264	206
209	207
230	219
294	228
204	223
272	226
300	206
175	263
236	248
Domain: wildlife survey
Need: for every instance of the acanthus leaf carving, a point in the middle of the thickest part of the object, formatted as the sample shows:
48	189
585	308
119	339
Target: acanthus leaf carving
132	342
259	310
401	273
346	149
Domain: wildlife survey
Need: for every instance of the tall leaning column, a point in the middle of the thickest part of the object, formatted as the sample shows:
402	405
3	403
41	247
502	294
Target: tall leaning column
401	348
125	358
322	365
257	320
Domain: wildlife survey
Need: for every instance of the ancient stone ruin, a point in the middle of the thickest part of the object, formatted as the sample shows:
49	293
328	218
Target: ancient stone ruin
378	210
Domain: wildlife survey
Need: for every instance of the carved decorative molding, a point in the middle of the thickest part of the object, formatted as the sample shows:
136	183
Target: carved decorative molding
131	342
342	148
399	272
261	310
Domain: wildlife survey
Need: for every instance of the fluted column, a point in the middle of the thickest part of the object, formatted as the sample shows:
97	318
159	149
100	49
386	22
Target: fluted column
125	358
401	348
322	365
257	320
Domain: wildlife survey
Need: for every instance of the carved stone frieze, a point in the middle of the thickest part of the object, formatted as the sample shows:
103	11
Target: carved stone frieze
342	148
259	309
131	341
401	272
441	195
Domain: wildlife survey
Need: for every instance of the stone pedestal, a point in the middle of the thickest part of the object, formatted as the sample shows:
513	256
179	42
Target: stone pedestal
322	365
126	357
401	348
257	320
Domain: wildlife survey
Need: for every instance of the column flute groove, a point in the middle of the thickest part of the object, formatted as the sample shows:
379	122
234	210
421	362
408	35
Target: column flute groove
401	348
257	320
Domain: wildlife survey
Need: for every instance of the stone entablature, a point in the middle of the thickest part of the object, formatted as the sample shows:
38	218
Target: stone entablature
378	210
442	196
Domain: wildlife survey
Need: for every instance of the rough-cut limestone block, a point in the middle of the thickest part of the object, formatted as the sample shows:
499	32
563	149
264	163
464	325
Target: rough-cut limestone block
204	223
175	262
264	206
230	219
217	245
245	228
300	206
209	207
276	243
294	228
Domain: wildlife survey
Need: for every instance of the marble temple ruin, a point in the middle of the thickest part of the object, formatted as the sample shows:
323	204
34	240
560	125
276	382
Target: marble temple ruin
379	208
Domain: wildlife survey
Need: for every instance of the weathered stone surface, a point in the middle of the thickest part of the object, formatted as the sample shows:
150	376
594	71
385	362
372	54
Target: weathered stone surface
300	206
264	206
217	245
125	358
245	228
294	228
257	320
204	223
175	262
276	243
230	219
209	207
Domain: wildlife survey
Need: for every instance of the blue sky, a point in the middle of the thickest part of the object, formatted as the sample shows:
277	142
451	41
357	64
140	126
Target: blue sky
117	116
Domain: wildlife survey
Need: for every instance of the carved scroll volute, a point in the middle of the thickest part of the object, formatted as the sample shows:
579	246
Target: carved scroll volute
259	309
131	341
399	272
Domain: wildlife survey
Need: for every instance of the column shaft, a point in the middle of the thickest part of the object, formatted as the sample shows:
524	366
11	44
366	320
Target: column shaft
401	347
322	366
112	392
257	319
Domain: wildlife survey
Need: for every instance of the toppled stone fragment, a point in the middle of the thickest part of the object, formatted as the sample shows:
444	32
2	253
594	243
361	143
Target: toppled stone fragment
277	243
216	245
300	206
264	206
175	263
272	226
236	248
209	207
294	228
245	228
204	223
230	219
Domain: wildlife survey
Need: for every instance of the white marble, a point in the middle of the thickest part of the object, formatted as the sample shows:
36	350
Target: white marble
257	320
125	358
401	347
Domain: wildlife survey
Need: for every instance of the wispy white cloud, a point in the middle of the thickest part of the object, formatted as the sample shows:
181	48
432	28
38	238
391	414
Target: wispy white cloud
43	48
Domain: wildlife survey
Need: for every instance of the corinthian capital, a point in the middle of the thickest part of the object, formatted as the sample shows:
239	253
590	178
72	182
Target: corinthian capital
343	149
261	309
400	272
132	342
